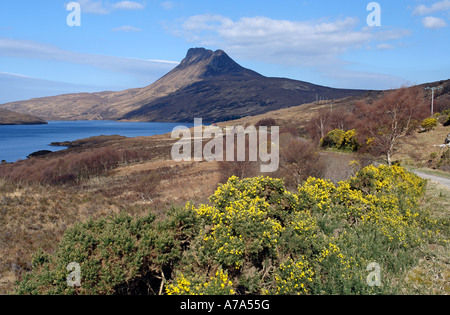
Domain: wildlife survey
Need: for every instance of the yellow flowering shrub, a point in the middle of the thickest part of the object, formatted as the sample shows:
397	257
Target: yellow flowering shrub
341	140
315	194
243	220
390	180
256	237
256	220
293	277
220	284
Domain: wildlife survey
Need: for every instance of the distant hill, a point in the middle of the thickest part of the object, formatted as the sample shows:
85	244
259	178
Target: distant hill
11	118
206	84
299	116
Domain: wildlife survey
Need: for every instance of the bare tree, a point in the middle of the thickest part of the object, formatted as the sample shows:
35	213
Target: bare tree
299	160
318	126
388	119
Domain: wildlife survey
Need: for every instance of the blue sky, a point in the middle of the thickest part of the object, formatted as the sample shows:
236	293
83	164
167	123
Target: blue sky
128	44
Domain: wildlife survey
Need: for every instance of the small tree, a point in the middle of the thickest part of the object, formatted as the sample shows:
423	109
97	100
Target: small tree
299	160
392	117
319	125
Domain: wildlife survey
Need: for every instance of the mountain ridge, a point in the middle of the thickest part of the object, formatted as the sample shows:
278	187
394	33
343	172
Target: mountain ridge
206	83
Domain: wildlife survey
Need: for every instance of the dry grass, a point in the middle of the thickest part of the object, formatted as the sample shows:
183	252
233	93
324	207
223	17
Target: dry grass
421	149
35	217
431	275
296	117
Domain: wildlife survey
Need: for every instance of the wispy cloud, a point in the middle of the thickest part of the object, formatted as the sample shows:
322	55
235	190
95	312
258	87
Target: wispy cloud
93	7
127	5
385	47
436	7
102	7
149	70
23	87
433	22
168	5
126	29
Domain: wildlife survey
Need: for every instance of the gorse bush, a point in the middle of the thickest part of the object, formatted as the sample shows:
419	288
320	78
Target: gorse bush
341	140
429	124
254	237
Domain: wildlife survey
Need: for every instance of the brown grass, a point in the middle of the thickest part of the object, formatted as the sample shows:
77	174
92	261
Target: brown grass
422	150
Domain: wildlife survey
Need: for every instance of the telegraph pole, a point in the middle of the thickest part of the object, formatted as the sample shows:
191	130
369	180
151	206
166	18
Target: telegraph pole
432	102
433	89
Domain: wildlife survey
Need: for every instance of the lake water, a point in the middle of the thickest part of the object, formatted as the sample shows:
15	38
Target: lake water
17	142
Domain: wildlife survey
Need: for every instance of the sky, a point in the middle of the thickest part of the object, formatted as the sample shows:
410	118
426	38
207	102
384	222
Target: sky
128	44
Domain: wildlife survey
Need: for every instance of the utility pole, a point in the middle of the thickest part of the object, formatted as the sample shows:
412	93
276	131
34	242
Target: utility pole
432	102
433	89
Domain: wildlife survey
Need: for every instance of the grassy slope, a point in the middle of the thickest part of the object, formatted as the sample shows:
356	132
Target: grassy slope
431	273
422	149
11	118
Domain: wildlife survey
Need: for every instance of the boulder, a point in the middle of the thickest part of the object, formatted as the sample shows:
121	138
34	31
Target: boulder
447	140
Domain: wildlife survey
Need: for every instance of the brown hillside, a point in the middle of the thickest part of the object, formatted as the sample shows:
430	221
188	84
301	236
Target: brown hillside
11	118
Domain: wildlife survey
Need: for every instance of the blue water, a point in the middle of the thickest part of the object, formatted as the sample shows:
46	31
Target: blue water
17	142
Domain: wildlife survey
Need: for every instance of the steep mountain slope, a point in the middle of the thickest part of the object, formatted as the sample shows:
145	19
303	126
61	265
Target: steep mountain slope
206	84
228	91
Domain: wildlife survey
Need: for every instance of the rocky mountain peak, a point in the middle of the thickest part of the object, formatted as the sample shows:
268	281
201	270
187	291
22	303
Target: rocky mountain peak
213	63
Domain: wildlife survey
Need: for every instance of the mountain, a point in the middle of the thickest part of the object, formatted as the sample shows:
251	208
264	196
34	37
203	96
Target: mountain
206	84
11	118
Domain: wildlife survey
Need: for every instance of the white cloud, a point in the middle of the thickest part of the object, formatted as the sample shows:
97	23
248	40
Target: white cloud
301	43
433	22
436	7
94	7
168	5
127	5
101	7
385	47
126	29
